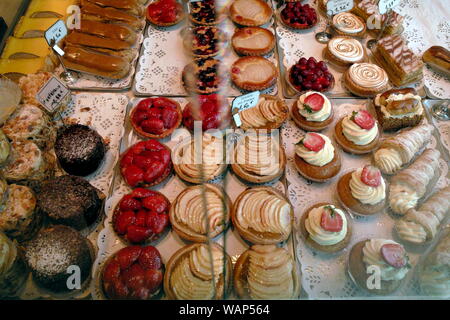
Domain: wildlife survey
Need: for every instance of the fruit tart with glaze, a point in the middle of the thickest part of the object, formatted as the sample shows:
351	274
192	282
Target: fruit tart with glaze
209	109
310	74
202	76
204	12
204	41
165	13
298	16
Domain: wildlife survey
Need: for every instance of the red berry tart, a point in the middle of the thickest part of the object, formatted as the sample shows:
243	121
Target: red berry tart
204	41
211	113
133	272
156	117
202	76
165	13
310	74
145	164
298	16
141	216
203	12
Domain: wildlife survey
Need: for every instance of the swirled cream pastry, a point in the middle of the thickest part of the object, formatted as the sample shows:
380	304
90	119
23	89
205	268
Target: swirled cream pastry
386	257
344	51
346	23
189	275
266	272
263	215
312	111
363	190
187	212
258	158
191	157
366	79
269	113
316	158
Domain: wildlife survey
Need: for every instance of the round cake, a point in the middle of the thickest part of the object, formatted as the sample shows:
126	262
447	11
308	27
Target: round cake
71	201
79	149
50	254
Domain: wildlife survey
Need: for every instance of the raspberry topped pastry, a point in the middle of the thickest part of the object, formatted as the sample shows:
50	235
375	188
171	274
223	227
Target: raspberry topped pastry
253	73
250	13
189	275
266	272
202	76
133	272
145	164
389	257
165	13
156	117
203	12
363	190
298	16
357	133
312	111
209	109
316	158
262	215
204	41
187	213
253	41
326	228
269	113
141	216
310	74
186	160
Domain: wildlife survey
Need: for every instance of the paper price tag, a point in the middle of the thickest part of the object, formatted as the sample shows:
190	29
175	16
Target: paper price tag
54	34
338	6
52	94
242	103
386	5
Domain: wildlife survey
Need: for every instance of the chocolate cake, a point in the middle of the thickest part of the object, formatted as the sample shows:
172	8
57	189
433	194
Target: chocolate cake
71	201
79	149
52	252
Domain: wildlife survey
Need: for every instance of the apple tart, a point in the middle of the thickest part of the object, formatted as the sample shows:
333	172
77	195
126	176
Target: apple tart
269	113
187	213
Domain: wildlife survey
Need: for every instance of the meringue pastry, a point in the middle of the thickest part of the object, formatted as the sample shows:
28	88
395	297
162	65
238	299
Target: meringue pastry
366	79
344	51
348	24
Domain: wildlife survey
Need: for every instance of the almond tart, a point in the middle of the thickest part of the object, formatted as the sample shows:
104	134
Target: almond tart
165	13
258	158
189	275
312	111
250	13
253	73
326	228
266	272
263	215
253	41
187	213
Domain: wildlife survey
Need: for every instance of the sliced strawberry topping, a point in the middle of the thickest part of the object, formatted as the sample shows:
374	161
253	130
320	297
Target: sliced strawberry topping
150	258
394	255
129	203
364	119
127	256
133	277
127	159
313	141
156	204
143	162
139	116
123	220
153	145
111	272
136	234
145	105
153	279
371	176
314	102
157	222
331	221
141	217
169	117
153	125
154	171
133	175
119	289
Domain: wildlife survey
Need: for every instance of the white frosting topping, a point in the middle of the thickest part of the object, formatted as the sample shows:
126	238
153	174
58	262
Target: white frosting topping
411	231
368	75
348	23
402	197
318	234
346	49
316	116
354	133
320	158
388	160
364	193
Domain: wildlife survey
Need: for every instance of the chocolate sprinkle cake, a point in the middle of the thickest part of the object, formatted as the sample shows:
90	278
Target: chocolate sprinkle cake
52	252
79	149
71	201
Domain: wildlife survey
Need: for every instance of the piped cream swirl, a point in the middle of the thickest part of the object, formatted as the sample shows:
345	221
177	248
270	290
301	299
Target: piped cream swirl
354	133
318	234
364	193
320	158
346	49
316	116
348	23
368	75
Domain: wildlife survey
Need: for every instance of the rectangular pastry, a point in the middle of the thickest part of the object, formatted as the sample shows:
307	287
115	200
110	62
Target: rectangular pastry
401	64
16	68
438	58
90	11
399	108
17	48
33	27
48	8
130	6
368	10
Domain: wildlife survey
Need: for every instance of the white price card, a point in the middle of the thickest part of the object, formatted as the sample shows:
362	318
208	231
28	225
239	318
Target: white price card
241	103
52	94
338	6
386	5
54	34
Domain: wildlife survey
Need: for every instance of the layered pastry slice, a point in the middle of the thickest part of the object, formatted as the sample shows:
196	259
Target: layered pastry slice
399	108
312	111
253	73
421	226
191	275
363	190
253	41
399	61
344	51
200	212
358	132
250	13
366	79
386	257
199	161
326	228
258	158
348	24
397	151
269	113
266	272
368	11
262	215
316	158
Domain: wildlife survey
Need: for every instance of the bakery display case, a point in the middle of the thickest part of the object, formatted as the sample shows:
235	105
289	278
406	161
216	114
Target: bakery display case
215	150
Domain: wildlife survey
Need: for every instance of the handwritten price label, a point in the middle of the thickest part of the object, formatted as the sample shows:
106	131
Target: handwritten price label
386	5
338	6
52	94
56	32
242	103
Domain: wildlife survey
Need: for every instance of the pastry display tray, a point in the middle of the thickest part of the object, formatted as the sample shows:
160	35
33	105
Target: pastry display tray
324	276
108	242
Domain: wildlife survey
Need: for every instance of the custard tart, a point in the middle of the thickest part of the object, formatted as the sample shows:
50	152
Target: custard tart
253	41
250	13
253	73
